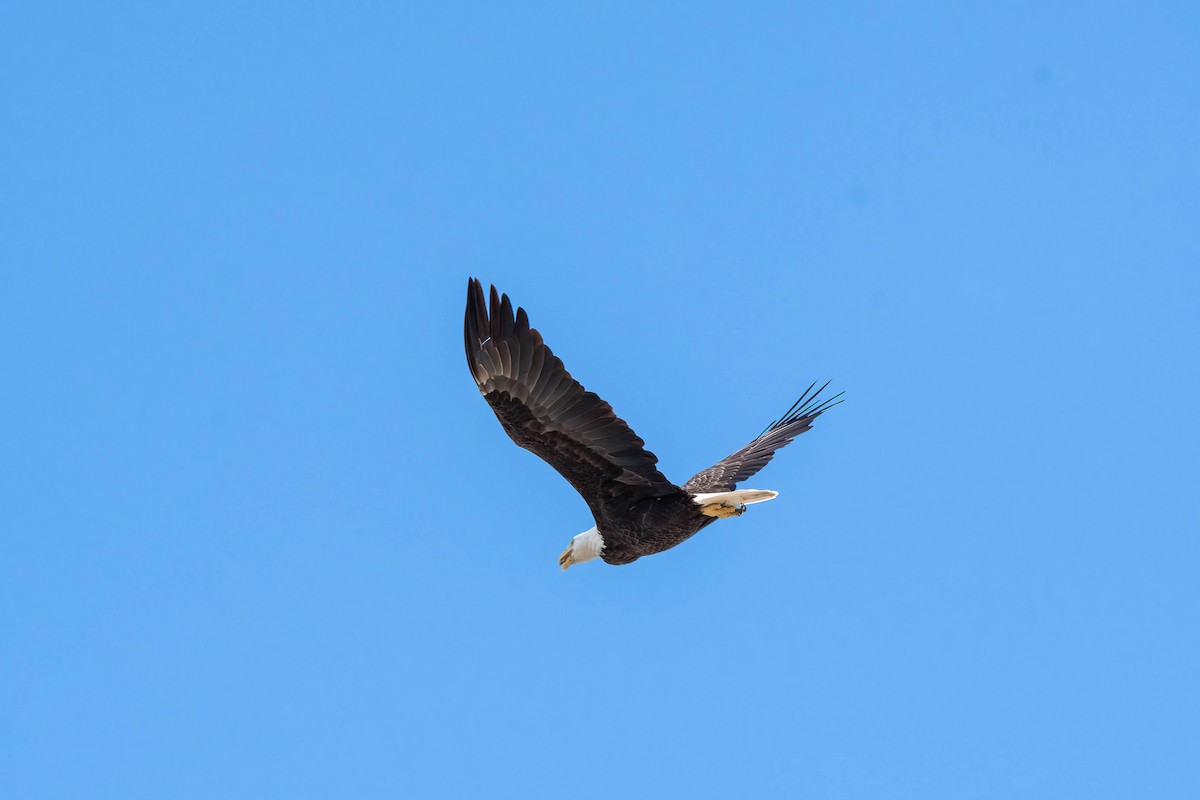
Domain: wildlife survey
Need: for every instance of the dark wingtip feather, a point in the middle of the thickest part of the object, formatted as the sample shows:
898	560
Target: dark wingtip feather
507	325
494	312
471	318
806	406
476	325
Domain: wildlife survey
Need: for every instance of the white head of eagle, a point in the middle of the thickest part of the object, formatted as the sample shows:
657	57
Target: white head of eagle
583	547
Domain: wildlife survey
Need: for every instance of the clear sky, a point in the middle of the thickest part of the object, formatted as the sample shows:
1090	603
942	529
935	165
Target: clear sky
261	537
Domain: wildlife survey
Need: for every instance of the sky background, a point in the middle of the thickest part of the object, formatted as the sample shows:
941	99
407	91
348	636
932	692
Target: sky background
261	537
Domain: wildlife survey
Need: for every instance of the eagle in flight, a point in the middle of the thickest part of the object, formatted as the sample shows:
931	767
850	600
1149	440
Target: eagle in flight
638	512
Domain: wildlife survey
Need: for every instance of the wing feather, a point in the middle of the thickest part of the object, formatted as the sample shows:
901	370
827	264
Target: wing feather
733	469
548	412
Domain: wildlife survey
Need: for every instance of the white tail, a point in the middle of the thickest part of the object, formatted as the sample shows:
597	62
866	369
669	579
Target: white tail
740	497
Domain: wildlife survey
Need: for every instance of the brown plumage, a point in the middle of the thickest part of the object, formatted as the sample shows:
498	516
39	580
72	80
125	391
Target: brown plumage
637	510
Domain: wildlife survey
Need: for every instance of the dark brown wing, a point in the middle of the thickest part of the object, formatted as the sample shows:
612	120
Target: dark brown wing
732	470
547	412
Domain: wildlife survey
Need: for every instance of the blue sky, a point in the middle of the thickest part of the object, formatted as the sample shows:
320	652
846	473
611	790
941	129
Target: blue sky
262	538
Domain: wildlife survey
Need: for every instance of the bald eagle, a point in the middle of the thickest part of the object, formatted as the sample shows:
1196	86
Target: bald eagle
637	511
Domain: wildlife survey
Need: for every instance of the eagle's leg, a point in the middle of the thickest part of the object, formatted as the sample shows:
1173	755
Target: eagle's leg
722	511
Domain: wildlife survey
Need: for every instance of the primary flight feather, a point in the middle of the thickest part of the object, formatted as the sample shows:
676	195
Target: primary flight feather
638	512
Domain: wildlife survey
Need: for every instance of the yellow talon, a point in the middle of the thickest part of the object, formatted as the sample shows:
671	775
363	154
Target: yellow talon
722	511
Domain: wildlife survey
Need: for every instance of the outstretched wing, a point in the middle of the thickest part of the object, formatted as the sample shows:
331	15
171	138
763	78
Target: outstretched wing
732	470
547	412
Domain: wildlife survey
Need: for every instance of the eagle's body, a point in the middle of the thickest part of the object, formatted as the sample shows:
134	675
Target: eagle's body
638	512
